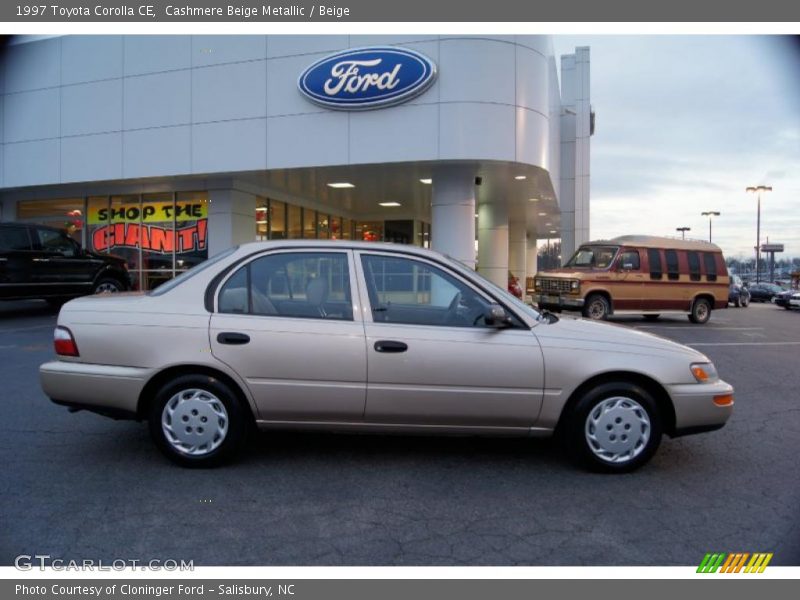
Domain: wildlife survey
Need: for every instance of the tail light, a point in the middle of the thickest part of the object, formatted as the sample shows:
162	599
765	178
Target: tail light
64	342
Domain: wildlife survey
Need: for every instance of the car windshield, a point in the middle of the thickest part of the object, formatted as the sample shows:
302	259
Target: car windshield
199	268
505	295
593	257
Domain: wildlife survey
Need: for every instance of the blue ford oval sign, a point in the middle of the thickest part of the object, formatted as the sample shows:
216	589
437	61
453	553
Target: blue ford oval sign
365	78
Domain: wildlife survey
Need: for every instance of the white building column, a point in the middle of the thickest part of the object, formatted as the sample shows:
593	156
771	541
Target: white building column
231	219
517	249
532	264
453	213
493	242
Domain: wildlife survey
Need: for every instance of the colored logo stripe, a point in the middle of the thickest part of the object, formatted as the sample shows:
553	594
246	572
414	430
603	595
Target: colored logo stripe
734	562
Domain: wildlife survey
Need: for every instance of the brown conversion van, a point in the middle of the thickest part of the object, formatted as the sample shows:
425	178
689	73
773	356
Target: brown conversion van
638	274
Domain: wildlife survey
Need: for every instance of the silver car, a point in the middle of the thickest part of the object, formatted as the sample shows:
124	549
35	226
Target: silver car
370	337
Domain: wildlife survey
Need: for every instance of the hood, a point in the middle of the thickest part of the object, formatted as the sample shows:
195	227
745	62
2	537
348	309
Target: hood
613	338
565	273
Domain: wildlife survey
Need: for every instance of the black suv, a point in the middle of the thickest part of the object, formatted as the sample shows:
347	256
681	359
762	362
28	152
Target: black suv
44	262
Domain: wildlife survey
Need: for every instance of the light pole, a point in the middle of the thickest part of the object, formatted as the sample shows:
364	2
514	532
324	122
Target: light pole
683	231
757	190
709	214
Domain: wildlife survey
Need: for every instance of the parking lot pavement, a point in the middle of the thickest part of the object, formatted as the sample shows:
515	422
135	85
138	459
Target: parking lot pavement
81	486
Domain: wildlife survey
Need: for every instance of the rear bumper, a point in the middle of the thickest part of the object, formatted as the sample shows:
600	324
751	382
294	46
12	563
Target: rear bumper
557	301
695	410
104	389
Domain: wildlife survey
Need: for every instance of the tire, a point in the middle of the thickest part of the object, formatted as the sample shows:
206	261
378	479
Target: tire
745	302
738	302
596	308
651	317
197	401
108	285
701	311
599	431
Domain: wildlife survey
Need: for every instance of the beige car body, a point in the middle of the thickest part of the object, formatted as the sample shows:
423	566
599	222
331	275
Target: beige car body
312	373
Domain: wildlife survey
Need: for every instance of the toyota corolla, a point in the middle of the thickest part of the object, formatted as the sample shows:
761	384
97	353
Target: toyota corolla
370	337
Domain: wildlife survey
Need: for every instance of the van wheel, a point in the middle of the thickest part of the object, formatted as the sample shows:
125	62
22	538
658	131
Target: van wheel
651	317
701	311
615	427
596	308
197	421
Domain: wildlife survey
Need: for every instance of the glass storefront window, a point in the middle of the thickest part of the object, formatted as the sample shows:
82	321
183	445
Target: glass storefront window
347	229
309	224
277	220
191	229
66	213
262	219
295	222
369	231
323	226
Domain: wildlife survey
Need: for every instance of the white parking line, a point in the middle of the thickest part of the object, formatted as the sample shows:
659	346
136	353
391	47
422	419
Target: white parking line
741	343
690	327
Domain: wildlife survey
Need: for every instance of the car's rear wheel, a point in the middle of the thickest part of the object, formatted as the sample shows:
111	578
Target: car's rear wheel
701	311
615	427
596	307
197	421
108	285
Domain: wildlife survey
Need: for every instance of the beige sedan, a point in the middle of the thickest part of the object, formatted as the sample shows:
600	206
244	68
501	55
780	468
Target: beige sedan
370	337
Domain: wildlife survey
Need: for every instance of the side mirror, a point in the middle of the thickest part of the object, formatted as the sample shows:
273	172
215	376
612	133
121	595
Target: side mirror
495	316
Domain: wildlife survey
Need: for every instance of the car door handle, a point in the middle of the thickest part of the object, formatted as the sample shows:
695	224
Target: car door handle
390	346
233	338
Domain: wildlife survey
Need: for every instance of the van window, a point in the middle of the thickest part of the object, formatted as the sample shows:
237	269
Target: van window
694	266
630	259
654	258
711	266
673	271
14	238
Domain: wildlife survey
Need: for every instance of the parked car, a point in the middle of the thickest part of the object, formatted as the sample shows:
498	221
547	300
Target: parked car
794	300
638	274
764	292
738	292
38	262
355	336
783	298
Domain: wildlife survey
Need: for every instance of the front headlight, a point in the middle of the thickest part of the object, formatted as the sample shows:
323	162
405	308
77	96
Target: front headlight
537	283
704	372
574	285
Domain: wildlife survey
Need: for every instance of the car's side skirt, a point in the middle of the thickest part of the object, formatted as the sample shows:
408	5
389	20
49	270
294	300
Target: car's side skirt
406	428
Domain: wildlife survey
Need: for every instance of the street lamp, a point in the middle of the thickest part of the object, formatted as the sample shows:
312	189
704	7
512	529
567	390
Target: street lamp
709	214
683	231
757	190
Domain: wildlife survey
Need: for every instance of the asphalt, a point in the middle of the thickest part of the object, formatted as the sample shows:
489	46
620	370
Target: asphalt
80	486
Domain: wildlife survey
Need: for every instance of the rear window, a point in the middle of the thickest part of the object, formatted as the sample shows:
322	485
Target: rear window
673	270
710	262
654	258
694	266
14	238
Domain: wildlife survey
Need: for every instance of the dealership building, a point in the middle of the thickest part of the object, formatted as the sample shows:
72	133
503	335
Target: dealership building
169	149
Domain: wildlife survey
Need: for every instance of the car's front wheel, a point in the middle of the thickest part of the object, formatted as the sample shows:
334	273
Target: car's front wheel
108	285
197	421
596	307
615	427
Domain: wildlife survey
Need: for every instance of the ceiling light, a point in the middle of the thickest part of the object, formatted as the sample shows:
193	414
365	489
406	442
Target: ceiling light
542	214
533	199
476	215
520	177
426	181
553	231
389	204
341	185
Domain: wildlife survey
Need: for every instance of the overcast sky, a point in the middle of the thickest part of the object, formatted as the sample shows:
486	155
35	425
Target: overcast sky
684	125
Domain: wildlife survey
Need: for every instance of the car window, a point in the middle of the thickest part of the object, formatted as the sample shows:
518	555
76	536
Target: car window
629	260
311	285
654	258
55	242
694	266
597	257
673	270
14	238
710	263
404	290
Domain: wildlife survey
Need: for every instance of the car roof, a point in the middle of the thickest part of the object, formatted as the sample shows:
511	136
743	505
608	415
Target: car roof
654	241
250	247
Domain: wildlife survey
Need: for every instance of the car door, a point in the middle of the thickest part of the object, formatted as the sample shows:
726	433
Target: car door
16	262
286	322
61	264
629	286
431	360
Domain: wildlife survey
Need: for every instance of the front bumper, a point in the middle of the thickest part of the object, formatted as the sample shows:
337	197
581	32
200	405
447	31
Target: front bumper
695	410
105	389
558	301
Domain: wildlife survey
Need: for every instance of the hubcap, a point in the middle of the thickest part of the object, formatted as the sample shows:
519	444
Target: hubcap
107	288
617	429
597	309
702	311
195	422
